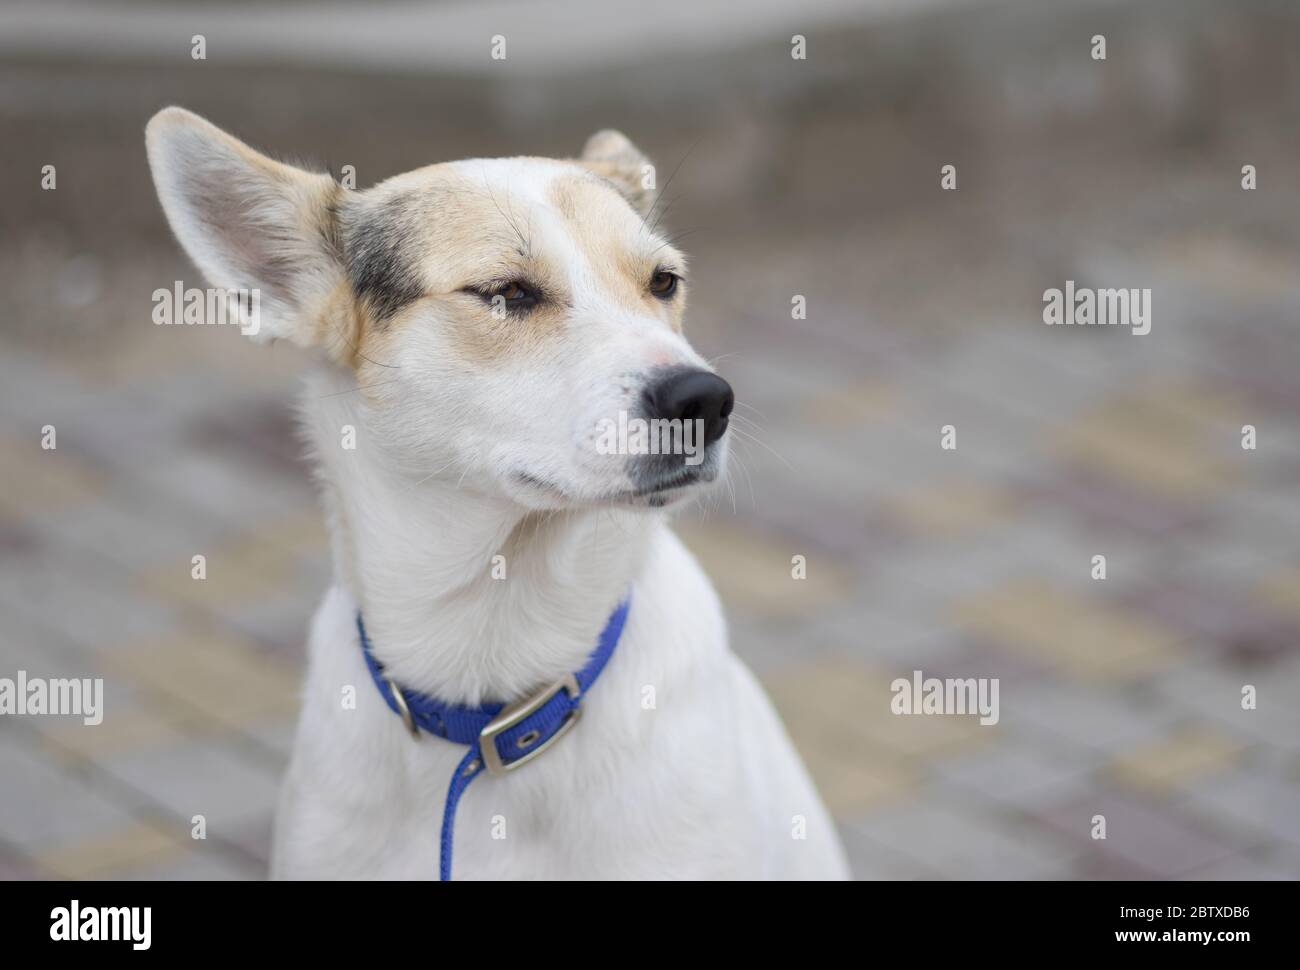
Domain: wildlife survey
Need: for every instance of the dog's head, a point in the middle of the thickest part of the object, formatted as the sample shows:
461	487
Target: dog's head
514	324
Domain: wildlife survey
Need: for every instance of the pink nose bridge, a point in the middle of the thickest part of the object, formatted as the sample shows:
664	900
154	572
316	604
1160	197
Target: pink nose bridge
662	357
654	344
670	349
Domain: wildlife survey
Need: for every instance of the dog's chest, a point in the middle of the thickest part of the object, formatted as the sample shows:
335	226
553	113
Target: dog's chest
644	780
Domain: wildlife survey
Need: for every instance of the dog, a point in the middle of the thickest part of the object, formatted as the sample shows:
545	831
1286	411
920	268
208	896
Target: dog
477	324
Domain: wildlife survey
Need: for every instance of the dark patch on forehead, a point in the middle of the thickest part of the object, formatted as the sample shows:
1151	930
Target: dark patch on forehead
377	242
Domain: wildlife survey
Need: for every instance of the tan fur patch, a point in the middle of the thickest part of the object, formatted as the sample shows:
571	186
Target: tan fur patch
623	253
458	232
340	324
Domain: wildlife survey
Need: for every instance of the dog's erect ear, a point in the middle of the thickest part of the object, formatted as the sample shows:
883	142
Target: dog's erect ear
248	222
611	154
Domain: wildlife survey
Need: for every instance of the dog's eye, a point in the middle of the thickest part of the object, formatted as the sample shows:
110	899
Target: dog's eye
663	284
515	295
508	296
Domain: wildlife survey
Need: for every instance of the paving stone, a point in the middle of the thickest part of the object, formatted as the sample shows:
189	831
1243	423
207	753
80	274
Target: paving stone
200	778
859	751
133	535
852	403
276	622
128	725
1159	439
870	861
1245	869
1138	834
769	646
1176	760
253	838
881	637
952	509
754	572
40	482
1086	638
965	843
1281	591
1050	385
1021	774
276	734
1103	503
56	807
1228	624
111	853
239	569
1215	694
234	494
80	602
1089	718
25	645
197	865
1267	806
217	677
1252	535
15	869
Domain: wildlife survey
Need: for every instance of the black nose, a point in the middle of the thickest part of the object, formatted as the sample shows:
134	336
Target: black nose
690	395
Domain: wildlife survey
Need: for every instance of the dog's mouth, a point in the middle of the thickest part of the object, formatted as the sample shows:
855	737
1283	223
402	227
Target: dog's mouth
668	483
532	481
657	494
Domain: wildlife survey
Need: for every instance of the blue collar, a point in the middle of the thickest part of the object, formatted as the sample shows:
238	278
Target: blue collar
501	738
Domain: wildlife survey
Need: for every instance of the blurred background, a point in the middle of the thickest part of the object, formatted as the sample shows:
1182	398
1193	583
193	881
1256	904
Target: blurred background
816	177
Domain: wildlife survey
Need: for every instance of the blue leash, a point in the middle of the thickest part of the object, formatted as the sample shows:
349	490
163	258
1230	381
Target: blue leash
501	739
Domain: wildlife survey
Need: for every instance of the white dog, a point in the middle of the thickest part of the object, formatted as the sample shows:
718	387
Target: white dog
480	323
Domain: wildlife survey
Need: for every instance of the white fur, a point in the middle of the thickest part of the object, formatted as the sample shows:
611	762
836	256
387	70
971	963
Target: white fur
679	767
705	785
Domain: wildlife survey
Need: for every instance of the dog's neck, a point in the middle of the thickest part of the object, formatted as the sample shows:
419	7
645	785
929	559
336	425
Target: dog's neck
446	616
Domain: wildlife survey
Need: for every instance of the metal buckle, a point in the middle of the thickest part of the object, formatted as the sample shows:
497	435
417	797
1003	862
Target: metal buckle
405	711
512	716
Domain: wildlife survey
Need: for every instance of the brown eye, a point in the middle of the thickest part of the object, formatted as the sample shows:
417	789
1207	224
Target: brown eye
663	284
513	296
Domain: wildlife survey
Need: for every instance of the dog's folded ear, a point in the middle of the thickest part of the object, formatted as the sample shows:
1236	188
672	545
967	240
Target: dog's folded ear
611	154
248	222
